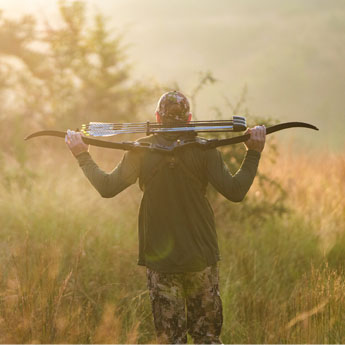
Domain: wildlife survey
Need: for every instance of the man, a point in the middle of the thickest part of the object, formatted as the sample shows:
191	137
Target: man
177	237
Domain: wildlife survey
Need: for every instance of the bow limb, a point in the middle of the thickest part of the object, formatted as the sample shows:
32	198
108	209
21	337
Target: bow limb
88	141
269	130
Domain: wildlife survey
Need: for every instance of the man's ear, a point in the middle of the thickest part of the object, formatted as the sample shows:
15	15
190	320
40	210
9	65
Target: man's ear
189	117
158	117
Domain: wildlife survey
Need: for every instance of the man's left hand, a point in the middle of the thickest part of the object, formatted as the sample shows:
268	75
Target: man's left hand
257	138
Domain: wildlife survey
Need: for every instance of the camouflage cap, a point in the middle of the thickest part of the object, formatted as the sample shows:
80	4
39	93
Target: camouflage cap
173	106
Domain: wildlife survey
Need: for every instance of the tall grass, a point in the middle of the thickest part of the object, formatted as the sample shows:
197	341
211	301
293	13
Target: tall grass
68	257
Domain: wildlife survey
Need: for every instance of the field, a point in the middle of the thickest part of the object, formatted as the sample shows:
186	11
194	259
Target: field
68	257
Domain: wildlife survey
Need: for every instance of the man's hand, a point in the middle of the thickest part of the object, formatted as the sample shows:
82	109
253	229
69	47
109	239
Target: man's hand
257	138
75	143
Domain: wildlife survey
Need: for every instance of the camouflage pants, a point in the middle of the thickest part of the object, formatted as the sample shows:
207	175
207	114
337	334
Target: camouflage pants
186	303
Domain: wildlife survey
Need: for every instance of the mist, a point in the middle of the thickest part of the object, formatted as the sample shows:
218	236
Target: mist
290	55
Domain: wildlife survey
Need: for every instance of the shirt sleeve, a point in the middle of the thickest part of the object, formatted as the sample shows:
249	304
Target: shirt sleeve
232	187
110	184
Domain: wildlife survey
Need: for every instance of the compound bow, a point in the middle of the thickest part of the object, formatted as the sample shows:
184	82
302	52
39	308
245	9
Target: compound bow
100	129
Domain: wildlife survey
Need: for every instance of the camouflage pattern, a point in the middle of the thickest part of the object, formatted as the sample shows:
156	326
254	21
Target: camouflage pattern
173	106
172	293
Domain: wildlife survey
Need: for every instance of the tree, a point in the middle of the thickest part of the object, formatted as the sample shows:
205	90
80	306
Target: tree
67	75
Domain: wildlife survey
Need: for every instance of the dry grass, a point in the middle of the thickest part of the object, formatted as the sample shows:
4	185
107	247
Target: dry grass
69	257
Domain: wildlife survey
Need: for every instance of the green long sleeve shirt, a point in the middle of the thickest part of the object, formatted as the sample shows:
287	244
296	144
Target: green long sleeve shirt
176	222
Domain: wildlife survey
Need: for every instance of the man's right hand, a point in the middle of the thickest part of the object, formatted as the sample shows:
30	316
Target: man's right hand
75	143
257	138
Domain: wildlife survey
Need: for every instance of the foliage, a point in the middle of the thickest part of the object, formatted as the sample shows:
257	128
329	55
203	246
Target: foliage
68	74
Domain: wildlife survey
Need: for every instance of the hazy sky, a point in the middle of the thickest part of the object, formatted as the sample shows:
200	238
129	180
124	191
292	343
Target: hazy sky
290	54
